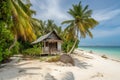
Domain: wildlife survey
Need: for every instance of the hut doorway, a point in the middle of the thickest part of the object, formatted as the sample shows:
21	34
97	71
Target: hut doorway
53	47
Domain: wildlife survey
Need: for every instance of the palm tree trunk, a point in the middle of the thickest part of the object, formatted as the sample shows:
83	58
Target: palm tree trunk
74	44
15	36
15	40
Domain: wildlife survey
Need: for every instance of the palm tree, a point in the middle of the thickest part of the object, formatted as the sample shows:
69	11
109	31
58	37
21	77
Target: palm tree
50	26
44	27
81	23
38	27
59	31
21	18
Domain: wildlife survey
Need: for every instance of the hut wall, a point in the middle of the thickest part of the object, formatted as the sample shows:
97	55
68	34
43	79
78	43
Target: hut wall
46	48
59	46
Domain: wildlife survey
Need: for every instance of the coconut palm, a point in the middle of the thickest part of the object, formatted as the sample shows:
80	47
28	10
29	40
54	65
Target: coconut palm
38	27
21	18
44	27
50	26
81	23
59	31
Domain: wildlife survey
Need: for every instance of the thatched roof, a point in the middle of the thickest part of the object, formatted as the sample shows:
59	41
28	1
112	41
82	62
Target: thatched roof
48	38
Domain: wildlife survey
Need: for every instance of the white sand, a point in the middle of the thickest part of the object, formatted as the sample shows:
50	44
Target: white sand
87	67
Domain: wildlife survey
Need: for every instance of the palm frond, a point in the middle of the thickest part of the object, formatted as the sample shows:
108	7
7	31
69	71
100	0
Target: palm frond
85	8
67	21
82	20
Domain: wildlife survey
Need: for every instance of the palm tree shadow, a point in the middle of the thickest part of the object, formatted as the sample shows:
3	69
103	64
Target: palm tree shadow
81	64
10	68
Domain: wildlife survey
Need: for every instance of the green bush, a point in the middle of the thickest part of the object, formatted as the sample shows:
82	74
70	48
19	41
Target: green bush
6	39
1	58
24	45
67	45
16	48
33	52
6	54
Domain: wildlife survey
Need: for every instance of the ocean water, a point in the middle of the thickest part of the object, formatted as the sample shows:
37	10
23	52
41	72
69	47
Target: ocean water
112	51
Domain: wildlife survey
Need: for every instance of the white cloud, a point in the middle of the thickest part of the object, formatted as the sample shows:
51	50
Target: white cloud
103	15
49	9
106	33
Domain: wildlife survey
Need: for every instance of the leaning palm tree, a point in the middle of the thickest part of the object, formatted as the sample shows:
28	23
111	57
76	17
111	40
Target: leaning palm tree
21	18
81	23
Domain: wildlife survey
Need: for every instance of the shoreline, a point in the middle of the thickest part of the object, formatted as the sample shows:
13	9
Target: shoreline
88	66
111	56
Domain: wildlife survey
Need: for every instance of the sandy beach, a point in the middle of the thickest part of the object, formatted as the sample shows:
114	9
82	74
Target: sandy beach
88	66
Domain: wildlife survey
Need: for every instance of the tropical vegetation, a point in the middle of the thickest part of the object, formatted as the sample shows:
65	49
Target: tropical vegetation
18	28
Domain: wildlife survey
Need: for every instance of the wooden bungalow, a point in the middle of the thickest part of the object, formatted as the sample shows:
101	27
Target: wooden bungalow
51	43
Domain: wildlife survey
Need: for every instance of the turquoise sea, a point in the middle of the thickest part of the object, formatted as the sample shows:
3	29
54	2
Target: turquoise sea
112	51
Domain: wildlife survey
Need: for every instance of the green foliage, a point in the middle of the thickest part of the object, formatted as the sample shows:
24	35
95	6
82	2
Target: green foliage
24	45
22	27
67	45
32	51
5	12
16	48
44	27
1	58
6	54
6	39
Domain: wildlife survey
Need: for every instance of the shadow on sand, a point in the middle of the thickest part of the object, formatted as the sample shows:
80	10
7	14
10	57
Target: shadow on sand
81	64
6	72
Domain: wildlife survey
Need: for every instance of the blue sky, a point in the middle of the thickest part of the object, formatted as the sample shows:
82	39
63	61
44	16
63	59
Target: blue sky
107	12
